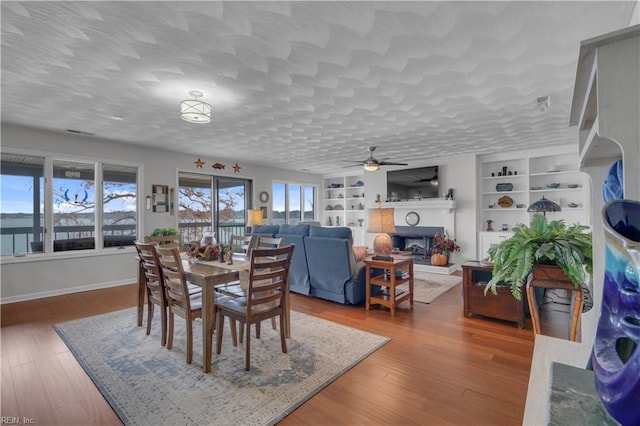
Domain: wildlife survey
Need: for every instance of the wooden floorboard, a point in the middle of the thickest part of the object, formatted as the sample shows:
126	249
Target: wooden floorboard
439	367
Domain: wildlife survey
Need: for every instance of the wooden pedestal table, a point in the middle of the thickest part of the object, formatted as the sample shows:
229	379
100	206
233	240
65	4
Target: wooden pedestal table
392	298
552	277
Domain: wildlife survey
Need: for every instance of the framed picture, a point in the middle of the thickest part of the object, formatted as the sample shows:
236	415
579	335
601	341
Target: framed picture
264	211
160	198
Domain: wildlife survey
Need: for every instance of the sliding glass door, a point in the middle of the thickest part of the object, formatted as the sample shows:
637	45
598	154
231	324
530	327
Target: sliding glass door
212	204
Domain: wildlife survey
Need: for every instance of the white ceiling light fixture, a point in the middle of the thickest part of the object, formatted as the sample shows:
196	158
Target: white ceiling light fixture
194	110
544	102
371	165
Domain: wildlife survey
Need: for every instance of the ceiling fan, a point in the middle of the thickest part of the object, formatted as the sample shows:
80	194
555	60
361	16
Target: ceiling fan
371	164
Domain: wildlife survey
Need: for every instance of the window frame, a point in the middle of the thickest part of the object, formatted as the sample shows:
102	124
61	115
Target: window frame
302	200
48	211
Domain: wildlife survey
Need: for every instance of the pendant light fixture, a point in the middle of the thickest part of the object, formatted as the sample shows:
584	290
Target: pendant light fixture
194	110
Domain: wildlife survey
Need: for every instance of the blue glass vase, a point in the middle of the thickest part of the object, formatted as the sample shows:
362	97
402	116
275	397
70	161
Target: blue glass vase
616	355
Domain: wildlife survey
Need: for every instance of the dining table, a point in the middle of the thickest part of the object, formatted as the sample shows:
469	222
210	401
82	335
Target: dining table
208	275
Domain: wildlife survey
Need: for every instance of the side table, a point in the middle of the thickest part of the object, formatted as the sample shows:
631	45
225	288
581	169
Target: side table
393	298
500	306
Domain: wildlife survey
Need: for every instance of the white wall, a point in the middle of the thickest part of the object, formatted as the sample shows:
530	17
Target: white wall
457	172
37	276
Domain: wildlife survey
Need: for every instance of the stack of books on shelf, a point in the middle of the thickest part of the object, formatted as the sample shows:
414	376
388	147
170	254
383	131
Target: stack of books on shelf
399	274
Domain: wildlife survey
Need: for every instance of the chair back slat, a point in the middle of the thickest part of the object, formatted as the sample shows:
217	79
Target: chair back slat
268	278
149	262
174	278
242	243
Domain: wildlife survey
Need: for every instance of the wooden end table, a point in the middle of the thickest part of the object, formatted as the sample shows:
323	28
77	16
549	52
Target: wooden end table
500	306
393	299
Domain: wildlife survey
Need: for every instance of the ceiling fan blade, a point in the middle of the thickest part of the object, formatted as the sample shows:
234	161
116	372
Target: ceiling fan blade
352	165
352	161
391	163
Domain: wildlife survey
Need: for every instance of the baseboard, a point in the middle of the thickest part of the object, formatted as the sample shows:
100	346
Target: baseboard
63	291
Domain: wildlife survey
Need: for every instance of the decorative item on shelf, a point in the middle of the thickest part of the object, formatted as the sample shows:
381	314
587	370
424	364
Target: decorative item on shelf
338	207
505	227
536	188
544	206
359	183
553	185
360	206
340	195
380	221
337	220
505	201
616	351
222	254
504	170
489	227
329	208
441	248
218	166
572	204
492	205
360	222
329	222
236	168
199	163
573	185
510	173
502	187
521	206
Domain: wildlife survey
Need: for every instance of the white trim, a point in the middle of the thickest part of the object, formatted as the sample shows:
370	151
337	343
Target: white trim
63	291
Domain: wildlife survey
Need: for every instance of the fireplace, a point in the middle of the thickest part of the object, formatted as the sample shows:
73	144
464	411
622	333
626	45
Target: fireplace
418	240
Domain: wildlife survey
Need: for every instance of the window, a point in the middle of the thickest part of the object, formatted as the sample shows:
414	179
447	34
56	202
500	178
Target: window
198	193
78	195
22	203
74	217
293	203
119	200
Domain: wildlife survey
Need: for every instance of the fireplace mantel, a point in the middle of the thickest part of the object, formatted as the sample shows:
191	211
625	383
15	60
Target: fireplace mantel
428	204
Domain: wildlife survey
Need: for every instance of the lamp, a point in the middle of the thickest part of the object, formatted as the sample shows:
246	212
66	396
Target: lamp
254	217
195	111
380	220
543	206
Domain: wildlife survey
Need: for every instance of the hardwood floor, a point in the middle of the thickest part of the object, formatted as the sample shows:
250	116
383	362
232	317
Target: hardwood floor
439	367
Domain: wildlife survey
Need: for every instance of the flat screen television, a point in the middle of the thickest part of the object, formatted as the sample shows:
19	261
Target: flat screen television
412	184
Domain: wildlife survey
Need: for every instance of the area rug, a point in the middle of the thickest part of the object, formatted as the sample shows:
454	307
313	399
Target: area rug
427	287
147	384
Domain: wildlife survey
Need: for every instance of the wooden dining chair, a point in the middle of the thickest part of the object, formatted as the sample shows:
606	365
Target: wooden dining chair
241	244
154	284
265	296
236	290
179	301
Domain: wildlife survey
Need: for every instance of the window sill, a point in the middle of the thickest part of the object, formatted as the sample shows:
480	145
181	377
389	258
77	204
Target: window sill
70	254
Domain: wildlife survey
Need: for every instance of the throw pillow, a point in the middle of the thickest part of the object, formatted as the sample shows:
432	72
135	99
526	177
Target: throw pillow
359	252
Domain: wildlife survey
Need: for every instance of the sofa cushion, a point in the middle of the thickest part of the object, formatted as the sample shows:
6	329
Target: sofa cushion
337	232
270	230
300	229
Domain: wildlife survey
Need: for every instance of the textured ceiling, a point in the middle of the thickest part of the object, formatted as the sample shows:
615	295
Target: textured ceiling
302	85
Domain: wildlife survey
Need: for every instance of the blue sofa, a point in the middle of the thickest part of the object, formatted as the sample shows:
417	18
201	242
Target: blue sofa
323	263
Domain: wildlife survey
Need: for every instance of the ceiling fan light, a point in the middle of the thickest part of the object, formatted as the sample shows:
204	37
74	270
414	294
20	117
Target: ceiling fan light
371	167
195	111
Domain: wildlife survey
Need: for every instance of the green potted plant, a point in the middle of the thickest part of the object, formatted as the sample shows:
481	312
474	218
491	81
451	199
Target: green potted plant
542	243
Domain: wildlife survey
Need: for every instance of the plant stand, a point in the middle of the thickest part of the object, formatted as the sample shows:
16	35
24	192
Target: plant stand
552	277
